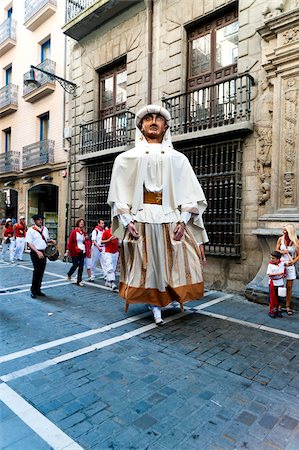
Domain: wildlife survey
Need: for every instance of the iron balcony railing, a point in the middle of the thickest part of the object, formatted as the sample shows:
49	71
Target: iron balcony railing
75	7
223	103
8	30
41	152
10	162
42	78
9	96
33	6
113	131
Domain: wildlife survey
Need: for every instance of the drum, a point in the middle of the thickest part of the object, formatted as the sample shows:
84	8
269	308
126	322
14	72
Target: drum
51	252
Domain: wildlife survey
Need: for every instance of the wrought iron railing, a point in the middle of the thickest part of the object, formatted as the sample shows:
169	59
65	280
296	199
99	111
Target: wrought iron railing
75	7
9	95
110	132
8	30
41	152
221	104
10	162
218	168
42	78
33	6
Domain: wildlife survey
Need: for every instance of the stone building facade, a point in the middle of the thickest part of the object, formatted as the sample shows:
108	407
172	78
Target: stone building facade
33	157
228	73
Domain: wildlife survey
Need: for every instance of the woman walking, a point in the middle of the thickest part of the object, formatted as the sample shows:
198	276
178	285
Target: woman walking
288	246
8	241
77	250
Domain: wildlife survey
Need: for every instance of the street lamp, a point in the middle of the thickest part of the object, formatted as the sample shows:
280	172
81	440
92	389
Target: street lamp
68	86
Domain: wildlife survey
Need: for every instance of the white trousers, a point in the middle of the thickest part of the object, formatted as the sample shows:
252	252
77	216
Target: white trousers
8	249
97	256
20	246
111	262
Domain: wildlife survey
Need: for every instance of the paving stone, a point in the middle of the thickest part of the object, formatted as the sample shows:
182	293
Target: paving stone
145	422
268	421
289	423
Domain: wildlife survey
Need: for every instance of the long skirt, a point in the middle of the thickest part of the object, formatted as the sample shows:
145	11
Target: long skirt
157	270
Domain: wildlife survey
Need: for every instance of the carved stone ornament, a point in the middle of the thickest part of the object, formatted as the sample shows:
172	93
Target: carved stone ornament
291	35
273	9
289	139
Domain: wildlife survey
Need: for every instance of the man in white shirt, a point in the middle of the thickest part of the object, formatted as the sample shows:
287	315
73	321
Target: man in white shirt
97	249
37	238
157	205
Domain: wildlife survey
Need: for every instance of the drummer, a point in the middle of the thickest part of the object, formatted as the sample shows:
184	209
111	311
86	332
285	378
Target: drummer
37	238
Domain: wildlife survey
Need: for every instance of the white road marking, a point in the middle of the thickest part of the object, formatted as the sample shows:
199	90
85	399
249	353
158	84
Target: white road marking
26	285
57	283
42	426
84	334
250	324
83	351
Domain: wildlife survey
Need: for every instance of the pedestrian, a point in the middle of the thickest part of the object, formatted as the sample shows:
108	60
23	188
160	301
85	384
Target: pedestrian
111	257
157	205
288	246
276	272
98	249
20	229
37	238
8	241
76	248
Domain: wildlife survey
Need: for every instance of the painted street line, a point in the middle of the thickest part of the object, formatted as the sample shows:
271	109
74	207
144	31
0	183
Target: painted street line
83	351
26	285
42	426
57	283
249	324
84	334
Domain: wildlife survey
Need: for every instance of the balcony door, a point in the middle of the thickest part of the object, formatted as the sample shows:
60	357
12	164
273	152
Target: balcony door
7	147
113	97
212	64
44	121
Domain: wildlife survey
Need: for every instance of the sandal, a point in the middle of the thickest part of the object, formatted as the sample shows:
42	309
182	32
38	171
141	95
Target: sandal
289	311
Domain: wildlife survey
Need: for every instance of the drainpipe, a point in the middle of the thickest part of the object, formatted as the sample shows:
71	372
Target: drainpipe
150	8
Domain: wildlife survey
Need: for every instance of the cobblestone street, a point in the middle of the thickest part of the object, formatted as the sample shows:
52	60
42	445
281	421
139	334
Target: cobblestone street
79	373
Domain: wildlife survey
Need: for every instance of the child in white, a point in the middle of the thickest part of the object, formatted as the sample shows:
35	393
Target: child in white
276	273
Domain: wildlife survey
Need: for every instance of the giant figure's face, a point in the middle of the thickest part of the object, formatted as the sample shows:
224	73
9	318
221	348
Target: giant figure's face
153	126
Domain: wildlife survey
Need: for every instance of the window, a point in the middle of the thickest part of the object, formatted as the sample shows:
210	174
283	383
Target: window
9	13
44	126
113	90
7	140
45	50
213	51
8	76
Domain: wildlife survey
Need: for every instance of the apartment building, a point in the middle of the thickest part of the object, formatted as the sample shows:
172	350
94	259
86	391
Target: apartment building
228	73
33	155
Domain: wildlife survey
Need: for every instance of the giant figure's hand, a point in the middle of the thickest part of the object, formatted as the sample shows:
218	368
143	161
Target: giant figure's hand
132	230
179	231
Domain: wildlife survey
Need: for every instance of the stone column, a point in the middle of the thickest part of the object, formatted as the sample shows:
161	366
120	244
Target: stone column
277	159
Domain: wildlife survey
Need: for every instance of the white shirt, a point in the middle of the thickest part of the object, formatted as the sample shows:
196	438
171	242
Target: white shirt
34	237
275	269
80	241
96	236
153	182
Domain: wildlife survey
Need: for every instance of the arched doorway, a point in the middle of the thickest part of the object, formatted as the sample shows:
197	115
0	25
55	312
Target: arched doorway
9	203
43	199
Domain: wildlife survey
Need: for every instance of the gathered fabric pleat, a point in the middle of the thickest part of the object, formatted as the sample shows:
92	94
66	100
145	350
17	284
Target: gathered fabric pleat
156	269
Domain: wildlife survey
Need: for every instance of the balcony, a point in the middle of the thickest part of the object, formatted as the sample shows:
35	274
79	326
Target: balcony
47	85
8	99
8	35
108	135
40	153
38	11
217	109
9	163
85	16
